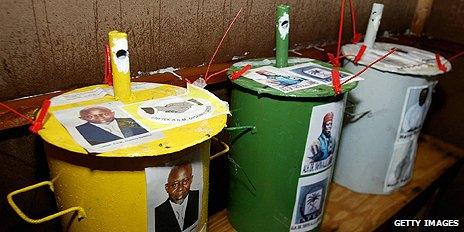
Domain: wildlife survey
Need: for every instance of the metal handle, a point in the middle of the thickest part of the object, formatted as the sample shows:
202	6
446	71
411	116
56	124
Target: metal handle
80	211
236	168
351	115
358	116
242	128
226	149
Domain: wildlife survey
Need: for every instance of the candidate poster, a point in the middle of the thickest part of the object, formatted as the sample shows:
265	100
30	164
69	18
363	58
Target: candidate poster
279	79
322	140
105	127
415	107
174	195
309	201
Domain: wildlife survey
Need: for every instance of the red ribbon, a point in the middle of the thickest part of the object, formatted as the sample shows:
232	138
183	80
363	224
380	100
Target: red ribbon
333	60
39	121
456	56
108	72
340	32
336	80
358	56
220	43
370	65
439	64
356	38
16	112
237	74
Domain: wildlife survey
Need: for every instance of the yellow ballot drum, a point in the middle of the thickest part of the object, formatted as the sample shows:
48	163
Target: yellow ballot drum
158	159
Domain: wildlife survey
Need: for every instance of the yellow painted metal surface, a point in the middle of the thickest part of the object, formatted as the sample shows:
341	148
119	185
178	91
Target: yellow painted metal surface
175	139
120	65
112	191
111	187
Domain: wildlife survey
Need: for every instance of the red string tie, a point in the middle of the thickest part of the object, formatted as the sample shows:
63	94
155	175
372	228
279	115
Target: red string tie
356	38
108	72
336	80
360	54
455	56
220	43
237	74
439	64
370	65
39	121
333	60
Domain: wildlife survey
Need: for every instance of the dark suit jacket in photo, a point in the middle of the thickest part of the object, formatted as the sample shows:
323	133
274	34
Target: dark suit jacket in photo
95	135
165	219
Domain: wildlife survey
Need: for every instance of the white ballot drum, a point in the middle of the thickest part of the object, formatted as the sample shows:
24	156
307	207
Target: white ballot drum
384	116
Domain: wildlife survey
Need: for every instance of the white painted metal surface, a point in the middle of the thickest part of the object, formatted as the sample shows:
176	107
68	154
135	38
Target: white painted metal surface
366	144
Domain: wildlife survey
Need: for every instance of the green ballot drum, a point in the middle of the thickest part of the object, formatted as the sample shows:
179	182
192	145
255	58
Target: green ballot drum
279	174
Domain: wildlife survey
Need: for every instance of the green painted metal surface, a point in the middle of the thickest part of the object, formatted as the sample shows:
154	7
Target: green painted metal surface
266	157
316	91
282	34
264	183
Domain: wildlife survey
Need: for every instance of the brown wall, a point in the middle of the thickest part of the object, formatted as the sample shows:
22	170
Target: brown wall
446	20
47	45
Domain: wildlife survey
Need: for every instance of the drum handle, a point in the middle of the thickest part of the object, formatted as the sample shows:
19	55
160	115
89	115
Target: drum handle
351	115
356	117
226	149
244	129
241	128
80	211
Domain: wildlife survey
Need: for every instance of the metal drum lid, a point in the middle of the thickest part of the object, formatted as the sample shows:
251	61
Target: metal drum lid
405	60
159	119
316	90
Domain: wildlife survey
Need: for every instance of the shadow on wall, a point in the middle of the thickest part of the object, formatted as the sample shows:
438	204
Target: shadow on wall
446	114
23	163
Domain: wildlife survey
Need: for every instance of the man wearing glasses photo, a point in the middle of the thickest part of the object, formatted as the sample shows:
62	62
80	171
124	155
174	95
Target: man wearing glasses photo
180	211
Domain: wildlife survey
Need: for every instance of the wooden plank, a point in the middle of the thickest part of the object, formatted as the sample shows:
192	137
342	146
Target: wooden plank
219	222
350	211
421	14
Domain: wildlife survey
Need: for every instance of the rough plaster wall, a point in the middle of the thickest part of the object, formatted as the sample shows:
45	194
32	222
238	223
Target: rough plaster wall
47	45
446	21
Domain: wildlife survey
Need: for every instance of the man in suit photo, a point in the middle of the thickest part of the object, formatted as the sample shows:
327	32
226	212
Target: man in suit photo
180	211
103	127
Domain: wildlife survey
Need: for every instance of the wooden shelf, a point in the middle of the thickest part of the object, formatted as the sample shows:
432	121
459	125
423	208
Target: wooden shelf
29	105
350	211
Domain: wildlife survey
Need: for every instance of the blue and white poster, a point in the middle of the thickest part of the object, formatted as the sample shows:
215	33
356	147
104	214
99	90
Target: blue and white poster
309	201
323	134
